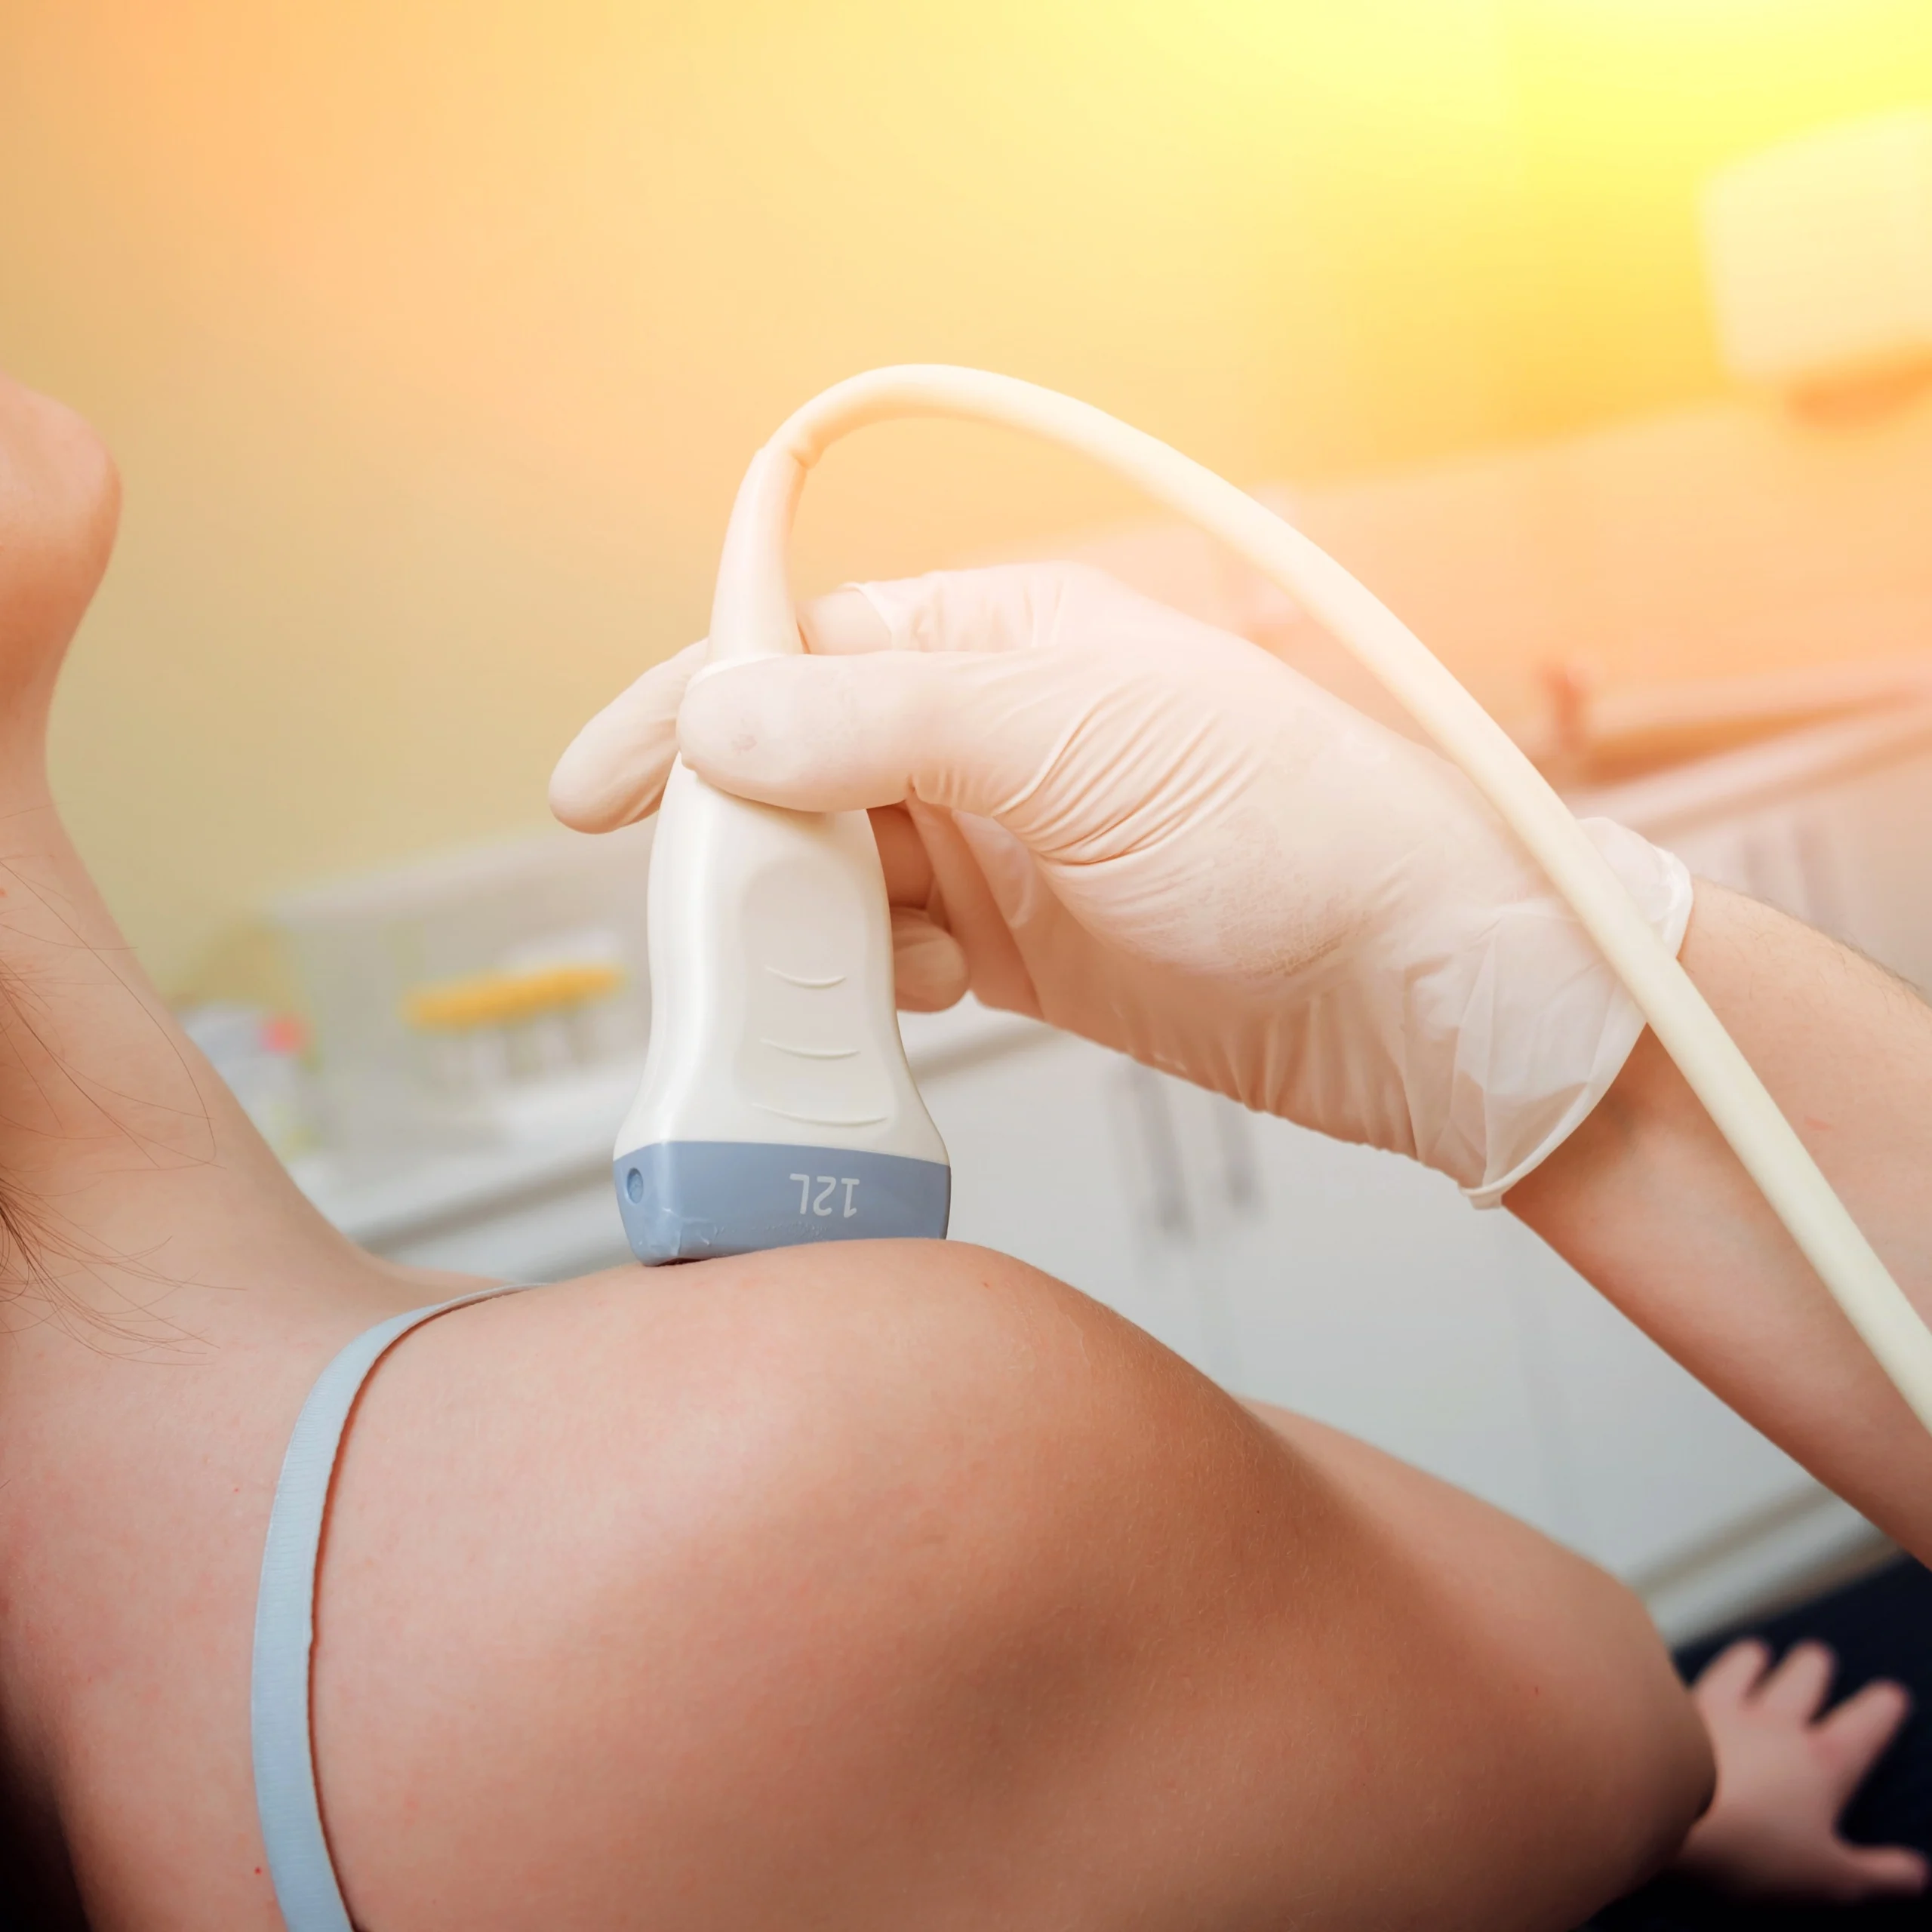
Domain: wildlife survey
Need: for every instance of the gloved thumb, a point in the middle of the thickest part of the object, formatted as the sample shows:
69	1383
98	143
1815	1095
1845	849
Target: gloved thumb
930	971
613	771
970	731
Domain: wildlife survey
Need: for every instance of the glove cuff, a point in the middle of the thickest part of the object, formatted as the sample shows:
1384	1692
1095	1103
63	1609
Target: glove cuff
1547	1024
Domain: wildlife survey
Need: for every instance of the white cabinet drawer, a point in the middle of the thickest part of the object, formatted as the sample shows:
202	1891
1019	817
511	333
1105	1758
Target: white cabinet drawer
1364	1294
1339	1282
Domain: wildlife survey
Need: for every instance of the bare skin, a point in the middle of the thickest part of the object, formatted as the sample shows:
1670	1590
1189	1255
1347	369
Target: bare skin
895	1584
1787	1769
1647	1202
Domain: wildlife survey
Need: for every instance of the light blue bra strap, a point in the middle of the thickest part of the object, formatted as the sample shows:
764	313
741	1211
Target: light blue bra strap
285	1795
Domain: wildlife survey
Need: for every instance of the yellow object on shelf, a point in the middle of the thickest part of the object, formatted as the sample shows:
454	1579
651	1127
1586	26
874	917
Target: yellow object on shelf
504	998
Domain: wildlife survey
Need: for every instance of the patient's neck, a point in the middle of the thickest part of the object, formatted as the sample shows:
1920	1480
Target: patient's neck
165	1291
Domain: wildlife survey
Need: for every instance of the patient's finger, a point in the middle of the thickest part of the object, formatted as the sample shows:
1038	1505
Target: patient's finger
1855	1735
1798	1685
614	770
1872	1872
1732	1674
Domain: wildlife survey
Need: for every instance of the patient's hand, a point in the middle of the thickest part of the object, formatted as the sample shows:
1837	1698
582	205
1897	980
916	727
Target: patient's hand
1784	1775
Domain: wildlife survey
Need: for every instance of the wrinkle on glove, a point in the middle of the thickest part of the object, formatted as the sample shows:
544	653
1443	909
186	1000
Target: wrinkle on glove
1476	1049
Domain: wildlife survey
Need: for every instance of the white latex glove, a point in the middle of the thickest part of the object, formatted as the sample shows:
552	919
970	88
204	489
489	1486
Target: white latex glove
1151	833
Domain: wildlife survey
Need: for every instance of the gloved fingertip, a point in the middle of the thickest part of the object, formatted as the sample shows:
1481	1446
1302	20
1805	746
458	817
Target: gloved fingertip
930	972
844	624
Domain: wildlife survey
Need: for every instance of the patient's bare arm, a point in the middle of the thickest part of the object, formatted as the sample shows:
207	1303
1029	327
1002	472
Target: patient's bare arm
1648	1202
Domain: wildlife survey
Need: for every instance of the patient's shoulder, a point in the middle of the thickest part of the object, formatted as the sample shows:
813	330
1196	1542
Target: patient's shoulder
650	1557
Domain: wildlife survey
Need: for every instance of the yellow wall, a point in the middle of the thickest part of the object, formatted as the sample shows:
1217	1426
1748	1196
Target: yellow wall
431	337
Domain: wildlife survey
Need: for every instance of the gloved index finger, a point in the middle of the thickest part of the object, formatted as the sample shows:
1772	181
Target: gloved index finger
997	607
969	732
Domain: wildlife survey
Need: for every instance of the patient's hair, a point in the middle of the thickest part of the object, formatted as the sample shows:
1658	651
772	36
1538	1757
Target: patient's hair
46	1259
22	1255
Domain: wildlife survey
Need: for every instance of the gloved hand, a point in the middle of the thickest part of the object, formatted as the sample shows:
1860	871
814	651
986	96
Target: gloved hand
1151	833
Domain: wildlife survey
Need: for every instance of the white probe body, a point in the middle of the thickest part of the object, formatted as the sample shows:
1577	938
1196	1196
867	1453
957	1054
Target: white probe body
777	1107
